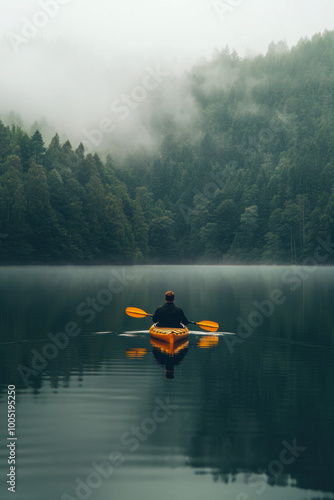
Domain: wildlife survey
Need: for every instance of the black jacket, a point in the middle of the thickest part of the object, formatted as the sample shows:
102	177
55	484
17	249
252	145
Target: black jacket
169	315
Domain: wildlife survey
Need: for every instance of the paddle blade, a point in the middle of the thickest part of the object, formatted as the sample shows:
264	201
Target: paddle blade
210	326
136	313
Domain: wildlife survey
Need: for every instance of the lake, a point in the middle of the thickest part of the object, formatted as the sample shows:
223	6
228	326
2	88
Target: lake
102	412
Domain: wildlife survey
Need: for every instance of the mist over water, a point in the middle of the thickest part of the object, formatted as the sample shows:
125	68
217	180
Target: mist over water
244	408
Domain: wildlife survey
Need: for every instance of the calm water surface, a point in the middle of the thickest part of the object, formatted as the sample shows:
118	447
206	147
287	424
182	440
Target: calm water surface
103	413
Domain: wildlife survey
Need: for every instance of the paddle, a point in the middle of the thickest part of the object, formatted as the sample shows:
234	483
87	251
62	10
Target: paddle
210	326
136	313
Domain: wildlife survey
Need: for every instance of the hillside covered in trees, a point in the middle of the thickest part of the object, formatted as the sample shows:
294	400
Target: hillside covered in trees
242	172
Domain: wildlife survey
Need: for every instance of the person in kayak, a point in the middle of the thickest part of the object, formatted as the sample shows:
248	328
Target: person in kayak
169	315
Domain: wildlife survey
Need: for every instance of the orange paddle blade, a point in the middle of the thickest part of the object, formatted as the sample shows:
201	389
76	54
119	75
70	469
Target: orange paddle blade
136	313
210	326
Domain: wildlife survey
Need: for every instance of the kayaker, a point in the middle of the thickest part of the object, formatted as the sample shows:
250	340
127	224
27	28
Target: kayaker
169	315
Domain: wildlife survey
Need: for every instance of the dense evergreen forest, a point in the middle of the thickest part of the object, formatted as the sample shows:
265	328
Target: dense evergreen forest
244	172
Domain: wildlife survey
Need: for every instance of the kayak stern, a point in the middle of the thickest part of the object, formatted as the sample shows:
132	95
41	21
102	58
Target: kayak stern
170	335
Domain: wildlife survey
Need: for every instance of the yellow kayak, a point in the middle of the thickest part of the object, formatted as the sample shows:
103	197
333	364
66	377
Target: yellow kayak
170	335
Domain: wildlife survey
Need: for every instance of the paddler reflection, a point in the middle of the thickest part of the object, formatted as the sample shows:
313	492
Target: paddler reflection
169	355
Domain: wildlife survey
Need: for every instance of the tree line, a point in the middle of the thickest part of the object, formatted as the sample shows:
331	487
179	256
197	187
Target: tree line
247	178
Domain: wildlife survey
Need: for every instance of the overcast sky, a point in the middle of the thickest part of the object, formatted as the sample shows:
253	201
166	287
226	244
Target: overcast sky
101	47
176	26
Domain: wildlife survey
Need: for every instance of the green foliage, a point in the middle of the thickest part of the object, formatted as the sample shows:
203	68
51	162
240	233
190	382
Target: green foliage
243	171
62	209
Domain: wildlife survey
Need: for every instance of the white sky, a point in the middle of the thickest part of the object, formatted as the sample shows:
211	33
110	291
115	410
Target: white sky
101	46
175	26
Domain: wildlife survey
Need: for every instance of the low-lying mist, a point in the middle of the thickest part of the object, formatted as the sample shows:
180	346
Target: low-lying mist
110	103
84	96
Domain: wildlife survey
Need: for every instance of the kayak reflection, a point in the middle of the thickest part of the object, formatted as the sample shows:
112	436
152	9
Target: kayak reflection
169	355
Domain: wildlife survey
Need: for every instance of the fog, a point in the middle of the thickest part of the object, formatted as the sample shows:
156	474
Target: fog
93	69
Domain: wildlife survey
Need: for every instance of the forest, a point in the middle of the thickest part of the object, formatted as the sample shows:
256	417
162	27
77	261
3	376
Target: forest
243	173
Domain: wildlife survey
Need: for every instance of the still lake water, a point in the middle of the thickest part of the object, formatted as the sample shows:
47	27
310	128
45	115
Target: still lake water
109	415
